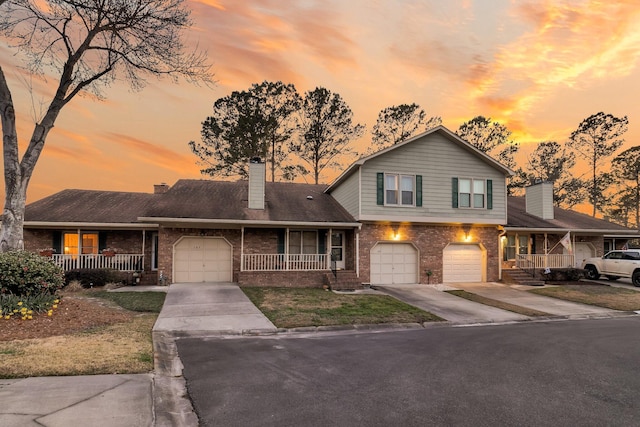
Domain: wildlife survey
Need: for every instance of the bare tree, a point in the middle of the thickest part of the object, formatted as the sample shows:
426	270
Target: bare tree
86	45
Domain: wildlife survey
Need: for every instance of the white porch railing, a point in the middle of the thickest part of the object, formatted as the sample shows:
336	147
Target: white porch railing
121	262
545	261
284	262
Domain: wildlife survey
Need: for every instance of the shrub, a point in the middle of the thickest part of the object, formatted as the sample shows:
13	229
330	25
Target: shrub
27	273
90	277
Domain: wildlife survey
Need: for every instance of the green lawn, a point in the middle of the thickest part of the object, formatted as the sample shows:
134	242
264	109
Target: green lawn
147	302
600	295
297	307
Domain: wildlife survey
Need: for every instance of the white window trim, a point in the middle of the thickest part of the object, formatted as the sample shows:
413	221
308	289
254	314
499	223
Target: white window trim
399	190
471	194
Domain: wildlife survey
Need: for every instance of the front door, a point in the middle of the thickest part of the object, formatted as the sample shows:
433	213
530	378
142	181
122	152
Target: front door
337	249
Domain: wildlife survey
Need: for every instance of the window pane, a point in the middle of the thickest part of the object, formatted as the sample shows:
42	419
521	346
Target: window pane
392	197
70	243
465	200
295	242
336	239
478	187
464	186
391	187
406	187
478	200
523	245
310	242
90	243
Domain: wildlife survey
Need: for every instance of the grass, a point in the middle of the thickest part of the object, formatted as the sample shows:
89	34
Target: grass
600	295
298	307
498	304
146	302
122	348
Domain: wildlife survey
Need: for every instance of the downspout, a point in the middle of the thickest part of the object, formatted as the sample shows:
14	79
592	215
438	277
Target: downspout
242	248
357	232
502	233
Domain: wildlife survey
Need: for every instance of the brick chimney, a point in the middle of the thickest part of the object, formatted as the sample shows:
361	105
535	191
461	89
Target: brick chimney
257	177
539	199
160	188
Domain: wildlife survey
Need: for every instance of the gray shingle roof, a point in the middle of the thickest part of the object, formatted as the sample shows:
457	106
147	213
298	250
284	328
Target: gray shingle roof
89	206
517	217
204	199
193	199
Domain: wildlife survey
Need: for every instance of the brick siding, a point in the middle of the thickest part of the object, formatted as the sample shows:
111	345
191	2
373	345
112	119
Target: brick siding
430	240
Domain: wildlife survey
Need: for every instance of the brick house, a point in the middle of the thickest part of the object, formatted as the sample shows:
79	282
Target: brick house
430	209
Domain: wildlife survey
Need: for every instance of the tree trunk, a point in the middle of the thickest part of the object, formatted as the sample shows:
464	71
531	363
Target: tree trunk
11	232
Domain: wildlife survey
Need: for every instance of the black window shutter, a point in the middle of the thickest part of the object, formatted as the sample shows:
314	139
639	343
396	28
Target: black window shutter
380	188
323	235
281	232
56	244
489	194
102	240
454	192
418	190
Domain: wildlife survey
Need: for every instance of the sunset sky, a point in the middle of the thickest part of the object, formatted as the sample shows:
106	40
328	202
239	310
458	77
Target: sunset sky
539	67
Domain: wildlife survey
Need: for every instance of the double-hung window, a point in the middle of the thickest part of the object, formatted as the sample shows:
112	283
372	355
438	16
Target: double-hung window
400	189
472	193
303	242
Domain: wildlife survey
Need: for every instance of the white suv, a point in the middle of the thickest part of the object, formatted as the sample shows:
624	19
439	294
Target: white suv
614	264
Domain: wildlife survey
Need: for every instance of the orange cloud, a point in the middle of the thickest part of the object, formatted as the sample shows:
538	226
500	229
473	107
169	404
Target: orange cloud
153	154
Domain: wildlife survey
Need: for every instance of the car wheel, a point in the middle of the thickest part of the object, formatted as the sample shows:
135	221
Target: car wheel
592	273
635	279
613	277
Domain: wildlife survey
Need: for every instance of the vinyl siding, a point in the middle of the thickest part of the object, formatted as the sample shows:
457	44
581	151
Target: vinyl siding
348	194
438	160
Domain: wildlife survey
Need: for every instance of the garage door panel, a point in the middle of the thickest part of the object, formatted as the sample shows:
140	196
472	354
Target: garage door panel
462	263
393	263
199	259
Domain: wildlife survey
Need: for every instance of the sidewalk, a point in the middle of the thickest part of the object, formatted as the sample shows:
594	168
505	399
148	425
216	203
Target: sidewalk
92	400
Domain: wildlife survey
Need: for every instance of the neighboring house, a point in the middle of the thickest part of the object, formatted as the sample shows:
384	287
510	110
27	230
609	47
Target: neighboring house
535	228
430	209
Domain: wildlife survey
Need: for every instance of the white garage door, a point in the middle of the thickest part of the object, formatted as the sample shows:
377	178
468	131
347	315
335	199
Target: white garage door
201	259
462	263
582	252
394	263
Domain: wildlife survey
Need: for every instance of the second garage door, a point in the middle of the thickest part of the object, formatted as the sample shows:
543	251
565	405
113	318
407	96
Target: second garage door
202	259
462	263
394	263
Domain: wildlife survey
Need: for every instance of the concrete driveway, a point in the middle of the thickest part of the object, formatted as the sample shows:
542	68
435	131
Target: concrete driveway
450	307
519	296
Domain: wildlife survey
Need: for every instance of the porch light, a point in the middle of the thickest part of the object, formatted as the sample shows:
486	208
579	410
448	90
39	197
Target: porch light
395	234
467	233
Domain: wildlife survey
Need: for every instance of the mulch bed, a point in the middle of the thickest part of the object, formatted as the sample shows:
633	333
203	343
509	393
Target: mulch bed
74	314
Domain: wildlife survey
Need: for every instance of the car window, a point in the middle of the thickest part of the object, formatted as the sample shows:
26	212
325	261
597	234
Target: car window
632	255
613	255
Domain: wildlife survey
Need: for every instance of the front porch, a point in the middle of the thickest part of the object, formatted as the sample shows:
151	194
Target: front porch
119	262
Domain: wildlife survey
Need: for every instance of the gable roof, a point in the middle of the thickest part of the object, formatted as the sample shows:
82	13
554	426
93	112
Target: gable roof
88	206
564	220
438	129
194	201
228	201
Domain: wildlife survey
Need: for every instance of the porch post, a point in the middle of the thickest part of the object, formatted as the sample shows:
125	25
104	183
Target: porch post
328	248
144	234
357	260
242	248
286	249
546	251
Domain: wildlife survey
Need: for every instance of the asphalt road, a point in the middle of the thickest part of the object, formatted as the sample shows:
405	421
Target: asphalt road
566	373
